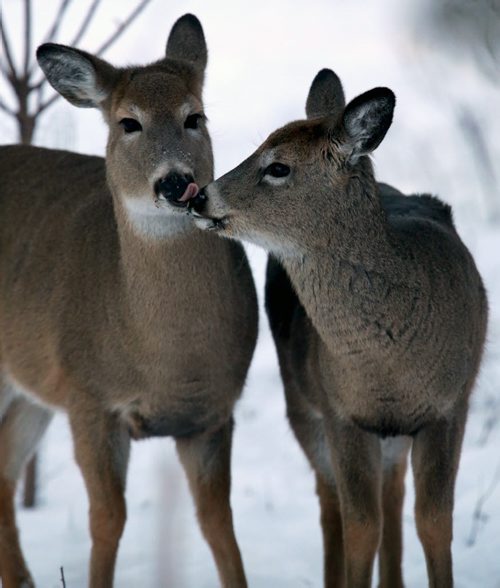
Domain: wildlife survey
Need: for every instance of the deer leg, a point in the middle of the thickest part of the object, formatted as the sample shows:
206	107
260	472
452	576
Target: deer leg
101	449
435	457
308	428
21	428
393	491
206	460
356	459
331	526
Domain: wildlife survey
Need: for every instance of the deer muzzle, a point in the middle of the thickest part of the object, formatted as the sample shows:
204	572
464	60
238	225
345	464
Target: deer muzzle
177	189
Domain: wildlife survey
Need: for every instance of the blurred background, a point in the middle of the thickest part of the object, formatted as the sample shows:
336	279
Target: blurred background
442	59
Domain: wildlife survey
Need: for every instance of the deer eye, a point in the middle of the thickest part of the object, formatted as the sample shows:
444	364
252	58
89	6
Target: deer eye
277	170
130	125
192	121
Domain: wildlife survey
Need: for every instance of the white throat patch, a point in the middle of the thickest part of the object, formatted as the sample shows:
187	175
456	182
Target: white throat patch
155	220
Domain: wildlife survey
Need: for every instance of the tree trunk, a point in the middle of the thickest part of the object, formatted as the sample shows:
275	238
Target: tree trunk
26	128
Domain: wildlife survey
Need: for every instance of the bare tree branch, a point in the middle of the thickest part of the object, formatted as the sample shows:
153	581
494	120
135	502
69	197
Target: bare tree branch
51	36
114	37
3	70
86	21
121	29
479	518
46	104
6	47
6	109
27	37
52	33
38	84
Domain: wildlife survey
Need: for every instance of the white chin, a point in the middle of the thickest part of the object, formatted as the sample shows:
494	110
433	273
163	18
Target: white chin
205	224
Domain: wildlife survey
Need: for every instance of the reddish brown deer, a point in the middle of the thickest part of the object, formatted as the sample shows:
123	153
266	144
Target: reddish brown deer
379	316
114	307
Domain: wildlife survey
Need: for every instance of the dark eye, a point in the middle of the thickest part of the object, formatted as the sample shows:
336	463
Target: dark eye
130	125
277	170
192	121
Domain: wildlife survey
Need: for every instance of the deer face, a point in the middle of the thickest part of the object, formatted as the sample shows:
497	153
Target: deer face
292	192
158	148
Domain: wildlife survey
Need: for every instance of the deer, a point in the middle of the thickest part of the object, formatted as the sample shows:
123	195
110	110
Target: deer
114	308
379	316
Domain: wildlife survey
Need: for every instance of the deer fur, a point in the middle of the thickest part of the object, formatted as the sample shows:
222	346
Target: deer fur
379	316
114	307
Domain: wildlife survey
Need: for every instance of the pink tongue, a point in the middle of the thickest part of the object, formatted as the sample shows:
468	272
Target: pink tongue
191	191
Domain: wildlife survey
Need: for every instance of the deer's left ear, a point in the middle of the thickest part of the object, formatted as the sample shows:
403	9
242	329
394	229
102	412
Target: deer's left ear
326	96
366	121
187	42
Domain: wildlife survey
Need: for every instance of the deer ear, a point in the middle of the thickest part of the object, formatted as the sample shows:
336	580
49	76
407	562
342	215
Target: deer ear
326	96
81	78
187	42
366	120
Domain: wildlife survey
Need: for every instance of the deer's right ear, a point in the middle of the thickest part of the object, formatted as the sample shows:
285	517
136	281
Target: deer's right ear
326	96
187	42
81	78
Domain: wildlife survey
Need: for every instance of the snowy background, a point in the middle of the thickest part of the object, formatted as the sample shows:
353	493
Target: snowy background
445	139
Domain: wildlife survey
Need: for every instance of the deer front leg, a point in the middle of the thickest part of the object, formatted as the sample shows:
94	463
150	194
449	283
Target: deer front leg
393	491
356	459
101	450
206	460
435	457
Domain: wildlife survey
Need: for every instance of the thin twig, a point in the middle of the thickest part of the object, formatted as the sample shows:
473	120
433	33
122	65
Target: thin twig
62	577
5	108
6	47
52	33
44	105
478	517
121	29
86	21
51	36
81	31
27	37
3	70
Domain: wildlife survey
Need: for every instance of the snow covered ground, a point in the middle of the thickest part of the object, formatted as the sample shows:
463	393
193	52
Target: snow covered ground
261	64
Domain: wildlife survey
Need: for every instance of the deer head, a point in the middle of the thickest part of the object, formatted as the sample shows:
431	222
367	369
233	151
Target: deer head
158	146
302	183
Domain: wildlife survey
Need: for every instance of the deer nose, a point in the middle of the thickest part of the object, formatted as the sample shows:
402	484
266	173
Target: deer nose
178	189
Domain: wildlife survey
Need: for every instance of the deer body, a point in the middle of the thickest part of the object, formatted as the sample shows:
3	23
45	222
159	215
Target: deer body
379	318
116	309
120	324
364	312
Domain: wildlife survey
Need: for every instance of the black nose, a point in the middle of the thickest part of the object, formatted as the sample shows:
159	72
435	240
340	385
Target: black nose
173	186
198	203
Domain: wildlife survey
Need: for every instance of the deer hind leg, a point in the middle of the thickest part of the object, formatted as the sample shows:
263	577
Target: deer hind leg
21	428
102	445
435	457
357	465
308	428
206	460
331	526
395	453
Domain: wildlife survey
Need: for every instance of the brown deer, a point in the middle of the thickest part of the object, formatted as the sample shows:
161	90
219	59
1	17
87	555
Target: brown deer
114	307
379	316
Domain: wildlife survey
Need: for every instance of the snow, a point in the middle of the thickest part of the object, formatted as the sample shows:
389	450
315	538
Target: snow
261	64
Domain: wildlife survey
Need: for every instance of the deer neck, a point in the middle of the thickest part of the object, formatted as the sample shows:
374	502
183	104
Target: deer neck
345	278
151	269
